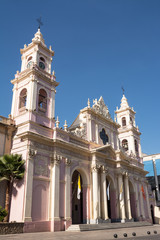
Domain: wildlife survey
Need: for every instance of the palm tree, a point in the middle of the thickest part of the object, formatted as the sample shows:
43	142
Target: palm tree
11	168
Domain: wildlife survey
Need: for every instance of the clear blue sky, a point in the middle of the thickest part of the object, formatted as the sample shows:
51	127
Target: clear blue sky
99	46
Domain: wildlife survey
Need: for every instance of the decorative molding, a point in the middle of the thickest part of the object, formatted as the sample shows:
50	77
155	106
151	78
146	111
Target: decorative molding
100	107
55	159
104	169
32	153
95	168
67	162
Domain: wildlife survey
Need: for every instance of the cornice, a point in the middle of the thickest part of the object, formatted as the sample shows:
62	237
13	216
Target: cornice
123	110
33	44
35	70
126	129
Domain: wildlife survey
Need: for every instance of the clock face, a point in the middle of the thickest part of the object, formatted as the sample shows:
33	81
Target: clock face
41	65
29	64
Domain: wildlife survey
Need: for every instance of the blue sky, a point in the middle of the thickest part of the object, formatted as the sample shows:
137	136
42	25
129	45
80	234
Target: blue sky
100	45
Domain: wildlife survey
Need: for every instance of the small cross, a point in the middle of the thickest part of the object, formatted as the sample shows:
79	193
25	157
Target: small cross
39	22
123	90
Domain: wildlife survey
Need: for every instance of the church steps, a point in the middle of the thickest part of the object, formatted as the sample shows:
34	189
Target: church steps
104	226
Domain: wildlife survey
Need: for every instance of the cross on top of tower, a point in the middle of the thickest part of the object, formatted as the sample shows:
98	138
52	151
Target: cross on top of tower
123	90
39	22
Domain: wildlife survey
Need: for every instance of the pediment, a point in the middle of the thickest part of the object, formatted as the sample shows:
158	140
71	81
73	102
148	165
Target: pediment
108	151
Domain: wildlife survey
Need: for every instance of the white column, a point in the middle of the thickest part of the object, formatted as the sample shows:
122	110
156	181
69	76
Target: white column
132	145
51	212
141	201
137	198
97	134
147	200
54	190
127	197
32	94
90	128
121	197
104	207
29	186
14	100
67	191
52	105
95	192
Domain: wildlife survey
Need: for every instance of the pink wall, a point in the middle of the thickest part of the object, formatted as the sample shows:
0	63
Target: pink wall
40	200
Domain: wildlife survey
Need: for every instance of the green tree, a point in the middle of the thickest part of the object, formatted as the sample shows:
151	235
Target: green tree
11	169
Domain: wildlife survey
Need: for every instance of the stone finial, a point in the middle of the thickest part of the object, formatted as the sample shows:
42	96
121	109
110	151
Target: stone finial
25	46
57	122
38	37
124	103
65	125
89	105
50	48
53	73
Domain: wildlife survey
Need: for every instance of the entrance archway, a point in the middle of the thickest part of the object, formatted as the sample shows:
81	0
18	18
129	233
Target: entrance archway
77	204
132	201
111	198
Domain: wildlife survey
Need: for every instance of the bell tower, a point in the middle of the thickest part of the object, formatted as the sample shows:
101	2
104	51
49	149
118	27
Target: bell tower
129	134
34	86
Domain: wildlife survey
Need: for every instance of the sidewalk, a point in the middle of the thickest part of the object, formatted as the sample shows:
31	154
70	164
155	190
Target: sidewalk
93	235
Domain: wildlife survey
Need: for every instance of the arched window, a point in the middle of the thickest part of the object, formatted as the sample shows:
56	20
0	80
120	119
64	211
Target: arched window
42	59
125	144
29	62
29	59
123	121
136	145
42	100
42	63
23	98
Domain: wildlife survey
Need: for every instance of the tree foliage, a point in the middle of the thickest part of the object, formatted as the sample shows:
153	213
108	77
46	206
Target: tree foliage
11	168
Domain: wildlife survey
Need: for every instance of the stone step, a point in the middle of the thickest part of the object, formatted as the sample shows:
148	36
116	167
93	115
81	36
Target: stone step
102	226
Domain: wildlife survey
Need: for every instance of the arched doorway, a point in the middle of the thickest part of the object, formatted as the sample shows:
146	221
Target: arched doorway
111	199
77	199
152	214
132	201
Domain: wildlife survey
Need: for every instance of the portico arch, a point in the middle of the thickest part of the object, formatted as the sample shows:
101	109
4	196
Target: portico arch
111	197
80	208
133	204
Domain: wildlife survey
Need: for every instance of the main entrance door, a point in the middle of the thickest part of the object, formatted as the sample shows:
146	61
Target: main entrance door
77	199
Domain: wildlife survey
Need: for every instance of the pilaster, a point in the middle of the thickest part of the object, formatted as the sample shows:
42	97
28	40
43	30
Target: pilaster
67	190
29	185
52	103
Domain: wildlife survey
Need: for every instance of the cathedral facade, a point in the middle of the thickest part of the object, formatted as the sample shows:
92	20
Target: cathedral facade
90	172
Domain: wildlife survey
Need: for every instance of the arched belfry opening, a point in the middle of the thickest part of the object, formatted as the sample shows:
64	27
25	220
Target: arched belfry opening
77	198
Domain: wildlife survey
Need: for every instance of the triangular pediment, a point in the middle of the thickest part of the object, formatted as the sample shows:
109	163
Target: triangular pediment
107	150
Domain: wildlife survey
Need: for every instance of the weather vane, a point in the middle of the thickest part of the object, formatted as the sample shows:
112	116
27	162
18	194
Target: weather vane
39	22
123	90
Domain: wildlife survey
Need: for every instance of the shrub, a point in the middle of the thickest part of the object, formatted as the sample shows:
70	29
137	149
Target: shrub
3	214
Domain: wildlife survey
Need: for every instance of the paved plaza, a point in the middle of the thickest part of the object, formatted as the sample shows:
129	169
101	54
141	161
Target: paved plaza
141	233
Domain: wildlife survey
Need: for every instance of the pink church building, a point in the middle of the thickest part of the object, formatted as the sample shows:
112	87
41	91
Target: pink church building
105	153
